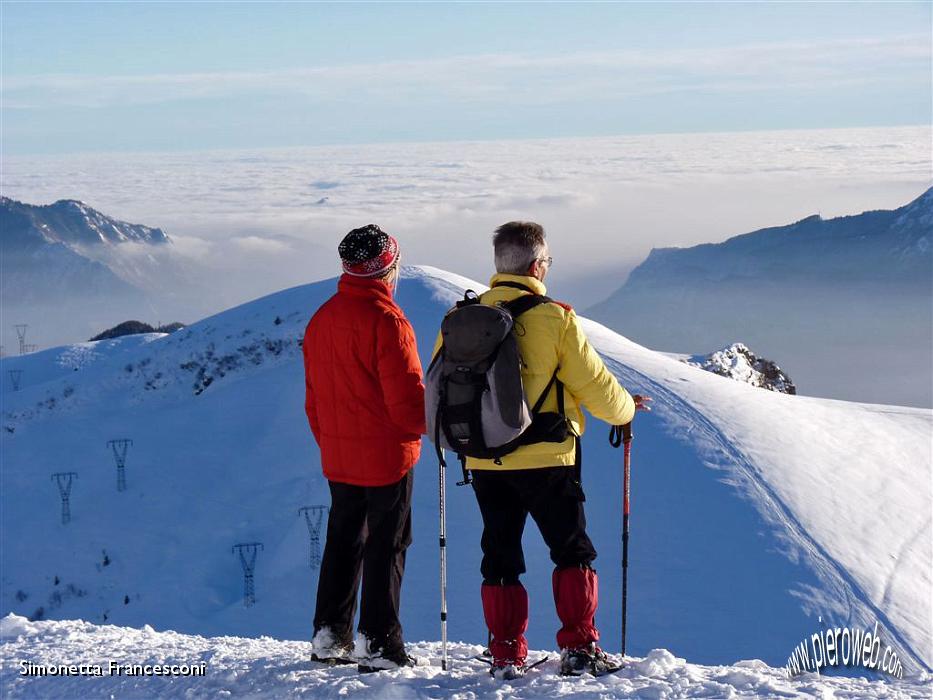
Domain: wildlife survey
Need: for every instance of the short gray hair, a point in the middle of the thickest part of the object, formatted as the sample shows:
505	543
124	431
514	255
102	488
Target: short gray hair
517	245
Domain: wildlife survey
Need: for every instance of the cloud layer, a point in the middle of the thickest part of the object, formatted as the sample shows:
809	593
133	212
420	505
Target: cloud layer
275	216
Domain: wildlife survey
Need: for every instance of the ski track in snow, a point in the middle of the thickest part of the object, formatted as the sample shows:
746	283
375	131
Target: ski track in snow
834	575
269	668
907	545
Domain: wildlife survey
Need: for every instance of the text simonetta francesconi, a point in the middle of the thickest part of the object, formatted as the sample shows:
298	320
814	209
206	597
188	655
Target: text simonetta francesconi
111	668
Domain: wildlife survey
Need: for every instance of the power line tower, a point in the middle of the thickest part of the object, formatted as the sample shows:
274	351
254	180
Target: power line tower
248	552
15	375
64	479
119	448
314	517
21	334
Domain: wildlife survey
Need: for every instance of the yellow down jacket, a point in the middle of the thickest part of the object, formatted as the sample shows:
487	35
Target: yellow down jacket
549	336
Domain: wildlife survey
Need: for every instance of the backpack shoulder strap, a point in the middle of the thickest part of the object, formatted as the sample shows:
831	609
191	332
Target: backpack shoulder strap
517	307
526	302
514	285
553	381
518	285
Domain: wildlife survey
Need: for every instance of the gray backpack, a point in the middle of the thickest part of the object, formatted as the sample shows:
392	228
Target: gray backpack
475	402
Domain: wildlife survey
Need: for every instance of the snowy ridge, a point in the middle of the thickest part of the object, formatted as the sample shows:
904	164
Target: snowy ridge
184	363
271	668
753	512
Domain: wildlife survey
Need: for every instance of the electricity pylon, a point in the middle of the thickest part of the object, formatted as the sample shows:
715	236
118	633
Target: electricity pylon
248	552
64	479
119	448
314	517
21	334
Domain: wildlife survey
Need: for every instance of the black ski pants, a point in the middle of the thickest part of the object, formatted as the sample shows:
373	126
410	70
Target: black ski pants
554	498
368	532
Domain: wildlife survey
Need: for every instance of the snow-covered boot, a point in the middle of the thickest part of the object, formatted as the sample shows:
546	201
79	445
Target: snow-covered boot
385	655
504	671
588	659
331	648
506	610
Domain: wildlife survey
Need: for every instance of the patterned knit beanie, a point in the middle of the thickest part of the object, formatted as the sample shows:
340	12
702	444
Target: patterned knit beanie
368	251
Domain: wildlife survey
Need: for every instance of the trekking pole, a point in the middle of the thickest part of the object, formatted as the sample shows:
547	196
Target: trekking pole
442	492
623	435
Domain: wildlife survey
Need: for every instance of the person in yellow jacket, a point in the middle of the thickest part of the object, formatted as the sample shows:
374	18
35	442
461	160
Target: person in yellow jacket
542	479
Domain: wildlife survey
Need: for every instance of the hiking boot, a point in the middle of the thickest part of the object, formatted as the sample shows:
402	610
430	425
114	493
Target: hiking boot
372	656
507	670
327	647
588	659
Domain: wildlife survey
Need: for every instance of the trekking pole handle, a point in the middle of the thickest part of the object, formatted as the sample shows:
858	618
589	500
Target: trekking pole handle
615	435
619	434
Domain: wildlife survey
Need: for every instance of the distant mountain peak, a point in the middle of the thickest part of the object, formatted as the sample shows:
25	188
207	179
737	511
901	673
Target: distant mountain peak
74	223
59	253
891	246
812	219
856	287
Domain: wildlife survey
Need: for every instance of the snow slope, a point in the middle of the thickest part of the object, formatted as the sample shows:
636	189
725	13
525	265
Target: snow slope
754	513
271	668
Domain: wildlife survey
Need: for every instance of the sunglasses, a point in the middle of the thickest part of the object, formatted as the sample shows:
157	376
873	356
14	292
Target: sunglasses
547	261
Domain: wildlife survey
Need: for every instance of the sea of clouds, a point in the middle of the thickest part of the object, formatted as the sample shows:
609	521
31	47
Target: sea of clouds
256	221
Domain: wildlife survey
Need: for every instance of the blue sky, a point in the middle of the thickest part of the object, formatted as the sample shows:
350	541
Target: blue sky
188	76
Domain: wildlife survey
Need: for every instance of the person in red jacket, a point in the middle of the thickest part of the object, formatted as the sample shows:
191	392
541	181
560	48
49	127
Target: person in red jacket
365	405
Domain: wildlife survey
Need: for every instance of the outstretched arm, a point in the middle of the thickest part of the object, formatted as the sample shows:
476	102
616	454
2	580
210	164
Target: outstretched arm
584	374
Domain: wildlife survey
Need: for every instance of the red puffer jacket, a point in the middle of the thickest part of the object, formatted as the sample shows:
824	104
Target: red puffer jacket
365	397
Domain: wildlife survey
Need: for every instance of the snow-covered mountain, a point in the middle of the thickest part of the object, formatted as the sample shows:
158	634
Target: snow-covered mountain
845	302
758	517
76	271
45	254
898	244
96	251
73	223
737	362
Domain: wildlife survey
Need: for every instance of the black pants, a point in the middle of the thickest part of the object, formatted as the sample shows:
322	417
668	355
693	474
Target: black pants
368	531
554	498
